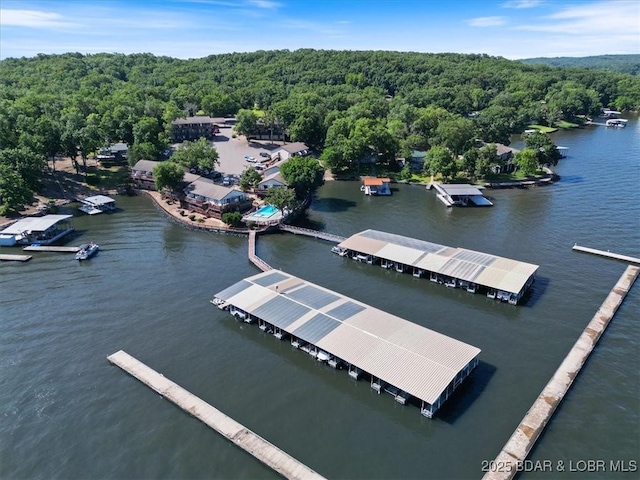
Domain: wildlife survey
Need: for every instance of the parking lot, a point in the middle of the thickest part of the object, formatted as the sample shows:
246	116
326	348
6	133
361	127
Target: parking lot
231	152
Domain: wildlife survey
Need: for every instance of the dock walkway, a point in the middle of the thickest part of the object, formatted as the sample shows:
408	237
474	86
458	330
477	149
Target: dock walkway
509	461
49	248
329	237
253	258
617	256
14	258
266	452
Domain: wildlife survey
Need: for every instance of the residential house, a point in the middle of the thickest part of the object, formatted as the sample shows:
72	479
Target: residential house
505	156
205	197
416	160
142	174
115	153
285	152
193	128
270	181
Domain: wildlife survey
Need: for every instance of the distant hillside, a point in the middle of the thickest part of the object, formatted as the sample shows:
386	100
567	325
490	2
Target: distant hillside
611	63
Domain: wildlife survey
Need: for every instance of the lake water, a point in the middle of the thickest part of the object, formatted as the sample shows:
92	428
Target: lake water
68	413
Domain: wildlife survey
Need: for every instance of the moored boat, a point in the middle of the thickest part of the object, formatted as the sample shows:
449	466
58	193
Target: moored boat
86	251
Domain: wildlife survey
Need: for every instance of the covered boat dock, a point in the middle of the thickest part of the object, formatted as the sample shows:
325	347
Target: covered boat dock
97	204
42	230
461	195
408	361
500	278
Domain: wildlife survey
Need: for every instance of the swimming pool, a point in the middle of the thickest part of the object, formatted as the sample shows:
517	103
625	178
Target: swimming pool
266	211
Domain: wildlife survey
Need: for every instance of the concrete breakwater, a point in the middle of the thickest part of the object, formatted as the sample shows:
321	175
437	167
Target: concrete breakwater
246	439
509	461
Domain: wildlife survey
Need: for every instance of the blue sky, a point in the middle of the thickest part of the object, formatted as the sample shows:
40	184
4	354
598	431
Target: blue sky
197	28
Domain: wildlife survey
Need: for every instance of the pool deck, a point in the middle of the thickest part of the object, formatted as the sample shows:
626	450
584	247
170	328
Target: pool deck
256	217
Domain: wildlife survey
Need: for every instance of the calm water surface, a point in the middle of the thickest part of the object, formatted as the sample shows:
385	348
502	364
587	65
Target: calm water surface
67	413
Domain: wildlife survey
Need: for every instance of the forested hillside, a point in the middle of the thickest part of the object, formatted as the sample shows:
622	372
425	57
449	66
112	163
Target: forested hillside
348	104
611	63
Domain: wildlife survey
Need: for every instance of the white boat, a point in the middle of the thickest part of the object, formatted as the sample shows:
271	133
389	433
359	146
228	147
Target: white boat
86	251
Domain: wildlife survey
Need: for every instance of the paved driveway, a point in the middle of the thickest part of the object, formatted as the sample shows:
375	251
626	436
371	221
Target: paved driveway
231	152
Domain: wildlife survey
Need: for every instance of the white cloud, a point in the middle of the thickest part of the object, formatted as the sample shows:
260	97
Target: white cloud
487	21
32	19
610	18
522	4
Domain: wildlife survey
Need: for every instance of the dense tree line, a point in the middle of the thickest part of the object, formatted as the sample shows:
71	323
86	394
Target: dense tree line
348	104
611	63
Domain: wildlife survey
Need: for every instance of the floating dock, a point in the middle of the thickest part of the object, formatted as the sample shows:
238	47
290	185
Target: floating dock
400	358
510	460
14	258
329	237
50	248
500	278
267	453
461	195
602	253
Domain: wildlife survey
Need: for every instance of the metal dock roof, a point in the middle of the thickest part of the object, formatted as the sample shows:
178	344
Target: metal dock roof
412	358
35	224
468	265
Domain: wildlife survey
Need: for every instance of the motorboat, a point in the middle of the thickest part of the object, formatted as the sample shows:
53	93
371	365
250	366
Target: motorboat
87	250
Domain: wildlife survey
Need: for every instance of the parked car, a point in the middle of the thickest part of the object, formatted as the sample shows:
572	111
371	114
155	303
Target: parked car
265	154
226	181
250	159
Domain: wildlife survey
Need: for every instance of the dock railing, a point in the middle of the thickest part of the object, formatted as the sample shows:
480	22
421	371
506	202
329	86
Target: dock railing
253	258
329	237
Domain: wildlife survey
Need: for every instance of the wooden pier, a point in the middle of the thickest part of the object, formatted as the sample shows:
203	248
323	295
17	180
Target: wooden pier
329	237
50	248
253	258
617	256
14	258
267	453
510	460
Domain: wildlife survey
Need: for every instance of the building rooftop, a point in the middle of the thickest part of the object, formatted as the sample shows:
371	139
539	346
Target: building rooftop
98	200
34	224
460	189
198	119
468	265
207	188
375	182
145	165
412	358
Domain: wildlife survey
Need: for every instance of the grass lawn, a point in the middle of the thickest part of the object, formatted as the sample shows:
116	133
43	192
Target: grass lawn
543	129
565	124
512	177
107	178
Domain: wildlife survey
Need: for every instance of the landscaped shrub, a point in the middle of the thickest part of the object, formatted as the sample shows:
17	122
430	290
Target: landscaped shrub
200	220
232	218
192	217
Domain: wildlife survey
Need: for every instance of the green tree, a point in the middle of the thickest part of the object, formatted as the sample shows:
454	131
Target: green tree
440	160
546	151
168	175
281	198
304	174
26	163
198	155
14	191
246	122
232	218
456	134
527	161
250	178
